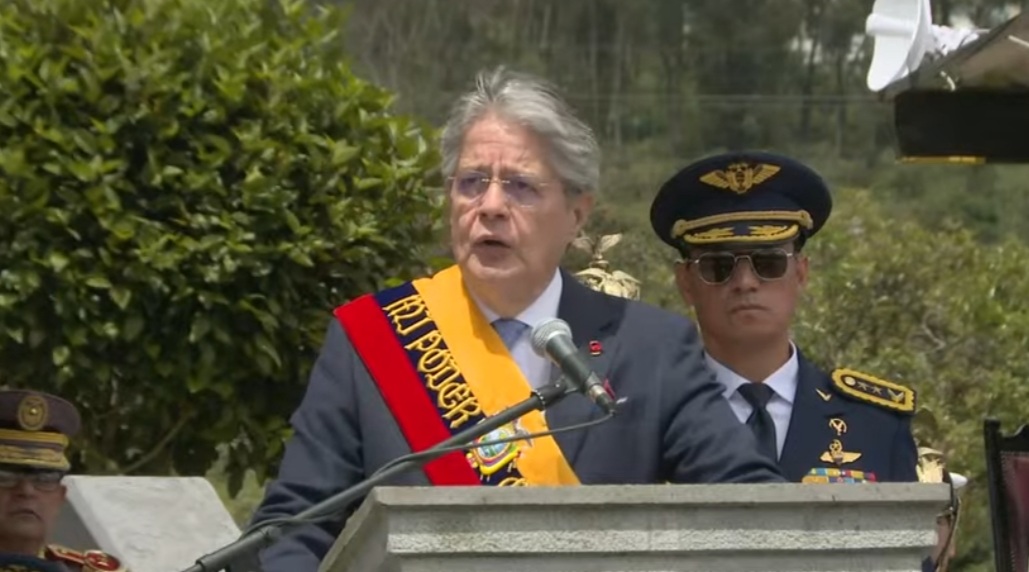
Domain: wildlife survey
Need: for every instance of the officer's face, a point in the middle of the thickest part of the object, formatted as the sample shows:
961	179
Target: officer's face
509	237
746	300
29	504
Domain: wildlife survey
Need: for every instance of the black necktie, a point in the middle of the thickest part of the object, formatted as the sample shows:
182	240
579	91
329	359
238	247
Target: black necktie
760	422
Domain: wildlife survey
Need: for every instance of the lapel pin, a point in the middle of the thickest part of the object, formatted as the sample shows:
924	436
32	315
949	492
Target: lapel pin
838	425
595	348
825	396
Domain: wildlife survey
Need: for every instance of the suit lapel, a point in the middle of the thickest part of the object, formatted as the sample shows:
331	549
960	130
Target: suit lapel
814	405
590	316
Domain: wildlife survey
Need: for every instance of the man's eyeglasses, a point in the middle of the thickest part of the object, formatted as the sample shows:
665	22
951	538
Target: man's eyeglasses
718	267
522	190
42	480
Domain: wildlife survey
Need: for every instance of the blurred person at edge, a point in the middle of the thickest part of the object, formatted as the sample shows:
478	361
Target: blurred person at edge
34	431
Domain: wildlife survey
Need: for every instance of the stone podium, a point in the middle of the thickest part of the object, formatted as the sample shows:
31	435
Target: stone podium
740	528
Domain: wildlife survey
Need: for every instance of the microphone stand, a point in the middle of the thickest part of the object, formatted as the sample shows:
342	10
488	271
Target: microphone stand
240	555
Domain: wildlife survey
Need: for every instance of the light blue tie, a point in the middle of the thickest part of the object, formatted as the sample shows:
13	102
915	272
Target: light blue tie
510	330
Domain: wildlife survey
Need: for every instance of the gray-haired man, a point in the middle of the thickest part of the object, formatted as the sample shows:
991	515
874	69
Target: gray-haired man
407	367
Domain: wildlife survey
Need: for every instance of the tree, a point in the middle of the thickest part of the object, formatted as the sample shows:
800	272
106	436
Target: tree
187	189
932	309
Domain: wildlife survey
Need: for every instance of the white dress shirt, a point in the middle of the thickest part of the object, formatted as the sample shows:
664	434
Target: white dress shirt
784	386
535	367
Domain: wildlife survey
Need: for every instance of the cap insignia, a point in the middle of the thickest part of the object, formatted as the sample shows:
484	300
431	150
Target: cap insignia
32	413
769	230
740	177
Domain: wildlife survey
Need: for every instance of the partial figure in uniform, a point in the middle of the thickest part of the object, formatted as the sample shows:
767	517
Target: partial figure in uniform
740	221
34	431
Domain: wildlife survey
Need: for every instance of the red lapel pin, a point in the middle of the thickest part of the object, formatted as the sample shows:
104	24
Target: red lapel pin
595	348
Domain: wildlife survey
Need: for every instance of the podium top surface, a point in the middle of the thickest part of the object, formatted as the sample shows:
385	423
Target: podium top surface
635	495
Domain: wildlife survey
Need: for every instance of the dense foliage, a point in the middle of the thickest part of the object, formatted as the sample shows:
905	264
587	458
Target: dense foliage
187	188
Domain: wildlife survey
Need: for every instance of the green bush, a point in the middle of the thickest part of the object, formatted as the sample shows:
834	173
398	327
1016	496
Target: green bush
187	189
933	309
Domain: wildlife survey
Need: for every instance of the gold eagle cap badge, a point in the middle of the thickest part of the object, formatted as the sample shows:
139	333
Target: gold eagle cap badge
740	177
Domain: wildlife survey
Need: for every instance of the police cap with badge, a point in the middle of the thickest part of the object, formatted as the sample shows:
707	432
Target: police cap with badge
740	198
34	431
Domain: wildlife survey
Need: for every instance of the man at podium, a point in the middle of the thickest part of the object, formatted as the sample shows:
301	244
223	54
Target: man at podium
407	367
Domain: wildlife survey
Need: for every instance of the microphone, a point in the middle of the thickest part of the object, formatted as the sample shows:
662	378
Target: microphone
552	339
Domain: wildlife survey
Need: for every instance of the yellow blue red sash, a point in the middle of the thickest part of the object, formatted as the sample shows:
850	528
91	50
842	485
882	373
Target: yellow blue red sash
442	368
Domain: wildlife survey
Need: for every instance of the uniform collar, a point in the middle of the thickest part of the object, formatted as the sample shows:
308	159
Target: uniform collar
783	381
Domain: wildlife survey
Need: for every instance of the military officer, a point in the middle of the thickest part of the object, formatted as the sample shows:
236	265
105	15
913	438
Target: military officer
34	431
740	221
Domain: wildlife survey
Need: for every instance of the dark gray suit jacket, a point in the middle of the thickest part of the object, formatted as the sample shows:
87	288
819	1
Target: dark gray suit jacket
674	425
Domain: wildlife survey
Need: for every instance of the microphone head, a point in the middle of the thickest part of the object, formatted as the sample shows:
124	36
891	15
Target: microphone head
544	331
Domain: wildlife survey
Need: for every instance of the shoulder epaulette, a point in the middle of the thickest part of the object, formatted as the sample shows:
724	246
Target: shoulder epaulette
89	560
870	389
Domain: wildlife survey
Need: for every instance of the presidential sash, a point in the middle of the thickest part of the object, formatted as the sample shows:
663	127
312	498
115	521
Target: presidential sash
442	368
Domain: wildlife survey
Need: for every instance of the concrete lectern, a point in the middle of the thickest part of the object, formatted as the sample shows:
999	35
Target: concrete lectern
740	528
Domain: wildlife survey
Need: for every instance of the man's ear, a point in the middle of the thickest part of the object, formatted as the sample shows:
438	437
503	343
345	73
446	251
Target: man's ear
682	281
582	206
802	269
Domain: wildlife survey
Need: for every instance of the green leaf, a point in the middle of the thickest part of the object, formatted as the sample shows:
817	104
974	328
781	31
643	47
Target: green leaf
266	347
58	261
16	334
60	355
301	258
100	282
201	326
133	327
342	153
121	296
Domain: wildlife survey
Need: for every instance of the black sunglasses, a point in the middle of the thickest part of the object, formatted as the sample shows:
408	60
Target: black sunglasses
717	267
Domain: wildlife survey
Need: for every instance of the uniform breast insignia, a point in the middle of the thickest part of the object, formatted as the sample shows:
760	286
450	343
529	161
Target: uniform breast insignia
828	475
838	425
869	389
88	561
837	455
